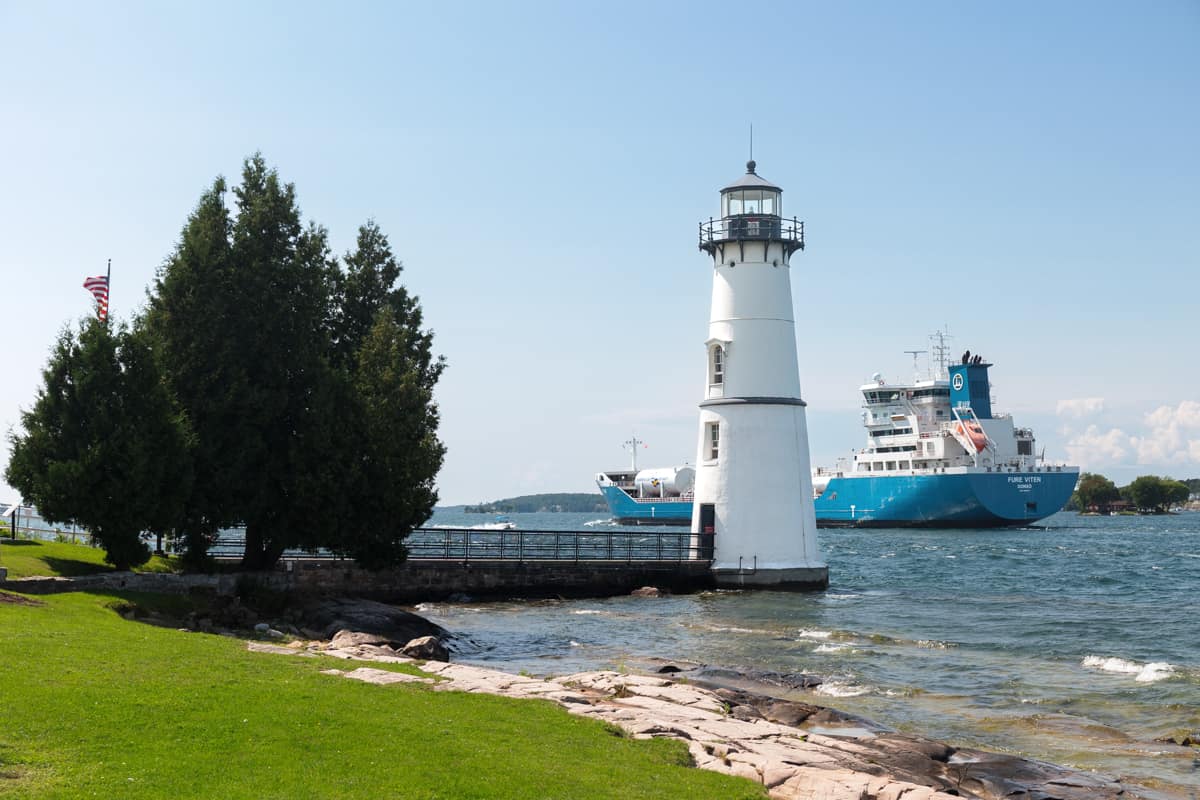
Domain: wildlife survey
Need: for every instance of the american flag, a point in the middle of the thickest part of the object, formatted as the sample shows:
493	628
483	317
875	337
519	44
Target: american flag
98	286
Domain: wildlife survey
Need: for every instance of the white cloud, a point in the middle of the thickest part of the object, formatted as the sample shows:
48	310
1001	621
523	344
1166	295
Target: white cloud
1080	407
1093	449
1172	435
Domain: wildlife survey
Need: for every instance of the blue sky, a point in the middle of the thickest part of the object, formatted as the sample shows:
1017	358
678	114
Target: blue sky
1026	174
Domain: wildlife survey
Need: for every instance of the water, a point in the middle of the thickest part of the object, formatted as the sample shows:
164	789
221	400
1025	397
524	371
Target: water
1077	641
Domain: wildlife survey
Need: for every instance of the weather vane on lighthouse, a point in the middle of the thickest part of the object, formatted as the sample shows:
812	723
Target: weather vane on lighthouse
753	488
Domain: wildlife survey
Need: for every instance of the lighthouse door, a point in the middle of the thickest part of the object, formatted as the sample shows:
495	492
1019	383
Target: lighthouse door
708	525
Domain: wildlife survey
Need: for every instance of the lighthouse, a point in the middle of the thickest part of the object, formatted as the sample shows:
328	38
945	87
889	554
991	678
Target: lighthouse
753	487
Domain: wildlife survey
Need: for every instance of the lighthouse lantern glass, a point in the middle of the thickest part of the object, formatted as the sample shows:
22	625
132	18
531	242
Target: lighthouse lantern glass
750	201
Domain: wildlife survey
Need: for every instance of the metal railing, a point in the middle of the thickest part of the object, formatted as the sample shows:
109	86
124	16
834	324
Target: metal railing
752	228
464	545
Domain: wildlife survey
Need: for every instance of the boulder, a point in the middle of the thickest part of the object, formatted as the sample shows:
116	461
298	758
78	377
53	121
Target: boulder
427	648
348	638
646	591
394	624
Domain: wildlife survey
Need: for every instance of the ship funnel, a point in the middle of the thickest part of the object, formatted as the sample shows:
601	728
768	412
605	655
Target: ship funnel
969	387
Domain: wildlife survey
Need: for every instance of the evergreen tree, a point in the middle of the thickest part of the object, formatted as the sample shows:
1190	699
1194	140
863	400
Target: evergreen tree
104	445
189	320
263	337
400	455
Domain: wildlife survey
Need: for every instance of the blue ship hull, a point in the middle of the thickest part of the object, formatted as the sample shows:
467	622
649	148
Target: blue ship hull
629	511
964	500
970	500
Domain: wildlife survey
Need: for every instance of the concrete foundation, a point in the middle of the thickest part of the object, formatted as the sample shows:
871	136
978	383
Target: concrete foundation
790	579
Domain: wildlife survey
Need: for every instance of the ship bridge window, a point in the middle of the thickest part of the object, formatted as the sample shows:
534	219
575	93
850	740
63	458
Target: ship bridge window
1024	447
892	432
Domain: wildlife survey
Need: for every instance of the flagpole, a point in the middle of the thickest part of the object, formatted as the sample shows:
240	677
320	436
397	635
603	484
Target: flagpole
108	285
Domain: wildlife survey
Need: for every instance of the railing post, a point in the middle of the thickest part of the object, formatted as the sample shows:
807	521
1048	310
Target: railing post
520	547
466	546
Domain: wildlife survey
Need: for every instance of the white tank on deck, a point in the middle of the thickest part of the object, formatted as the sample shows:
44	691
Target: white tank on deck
665	481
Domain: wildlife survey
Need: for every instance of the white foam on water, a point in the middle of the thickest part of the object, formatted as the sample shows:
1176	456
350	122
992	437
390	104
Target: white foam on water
1188	555
831	648
809	633
728	629
1143	673
933	644
595	522
425	608
575	643
838	689
583	612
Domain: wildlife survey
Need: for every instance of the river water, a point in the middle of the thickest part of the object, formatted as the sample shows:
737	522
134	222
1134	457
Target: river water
1076	641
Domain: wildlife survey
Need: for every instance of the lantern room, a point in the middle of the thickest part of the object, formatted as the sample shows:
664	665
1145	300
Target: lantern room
751	195
751	210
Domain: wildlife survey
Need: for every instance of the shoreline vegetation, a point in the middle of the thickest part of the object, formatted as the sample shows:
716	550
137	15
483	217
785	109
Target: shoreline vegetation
550	502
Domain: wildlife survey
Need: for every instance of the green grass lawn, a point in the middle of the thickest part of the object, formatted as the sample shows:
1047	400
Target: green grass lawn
28	557
92	705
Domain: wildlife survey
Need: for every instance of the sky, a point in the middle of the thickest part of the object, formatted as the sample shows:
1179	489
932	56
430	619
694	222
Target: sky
1024	175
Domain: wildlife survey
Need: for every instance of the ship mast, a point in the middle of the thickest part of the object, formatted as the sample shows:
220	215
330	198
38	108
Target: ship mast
940	348
632	444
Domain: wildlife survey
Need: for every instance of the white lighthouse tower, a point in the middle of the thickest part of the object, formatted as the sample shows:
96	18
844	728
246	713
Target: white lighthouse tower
753	486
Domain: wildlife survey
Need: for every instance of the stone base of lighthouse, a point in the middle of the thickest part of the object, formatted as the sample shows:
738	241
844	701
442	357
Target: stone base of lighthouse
756	495
794	579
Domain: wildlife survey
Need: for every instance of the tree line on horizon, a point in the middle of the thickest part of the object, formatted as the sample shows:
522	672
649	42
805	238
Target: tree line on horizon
267	384
583	502
1147	494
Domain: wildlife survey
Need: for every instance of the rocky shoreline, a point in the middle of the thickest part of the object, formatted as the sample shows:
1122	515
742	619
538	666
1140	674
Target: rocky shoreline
796	750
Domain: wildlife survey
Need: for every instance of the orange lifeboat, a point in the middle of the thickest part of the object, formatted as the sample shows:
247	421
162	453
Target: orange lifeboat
975	433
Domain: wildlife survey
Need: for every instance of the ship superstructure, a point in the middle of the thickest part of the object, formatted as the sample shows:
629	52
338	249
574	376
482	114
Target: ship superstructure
936	454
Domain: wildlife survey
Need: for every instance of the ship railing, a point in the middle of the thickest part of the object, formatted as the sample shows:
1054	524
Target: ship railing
466	545
652	498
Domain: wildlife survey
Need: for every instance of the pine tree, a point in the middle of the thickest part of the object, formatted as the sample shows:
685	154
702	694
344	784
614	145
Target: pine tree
104	445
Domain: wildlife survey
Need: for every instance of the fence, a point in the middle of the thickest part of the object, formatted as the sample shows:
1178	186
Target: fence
26	524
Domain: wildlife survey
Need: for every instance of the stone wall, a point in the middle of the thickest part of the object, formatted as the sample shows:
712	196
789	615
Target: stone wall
411	582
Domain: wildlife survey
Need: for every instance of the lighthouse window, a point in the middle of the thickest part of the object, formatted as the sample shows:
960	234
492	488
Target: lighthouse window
714	440
734	203
718	364
770	203
752	203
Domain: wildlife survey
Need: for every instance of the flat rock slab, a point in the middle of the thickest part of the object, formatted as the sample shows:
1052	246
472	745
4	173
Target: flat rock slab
277	649
380	677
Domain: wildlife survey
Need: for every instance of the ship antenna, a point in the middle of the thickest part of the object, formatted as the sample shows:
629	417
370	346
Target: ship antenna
915	353
632	445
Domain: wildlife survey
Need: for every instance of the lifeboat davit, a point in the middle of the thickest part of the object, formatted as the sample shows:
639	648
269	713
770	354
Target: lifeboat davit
975	433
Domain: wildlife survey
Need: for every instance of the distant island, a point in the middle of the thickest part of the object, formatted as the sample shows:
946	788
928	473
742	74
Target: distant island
531	503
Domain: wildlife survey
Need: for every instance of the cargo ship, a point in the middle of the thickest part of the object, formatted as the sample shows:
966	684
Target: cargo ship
661	496
936	456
